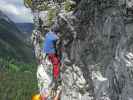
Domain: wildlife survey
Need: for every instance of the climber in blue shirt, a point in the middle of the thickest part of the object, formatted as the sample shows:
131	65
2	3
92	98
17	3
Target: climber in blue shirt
50	50
50	43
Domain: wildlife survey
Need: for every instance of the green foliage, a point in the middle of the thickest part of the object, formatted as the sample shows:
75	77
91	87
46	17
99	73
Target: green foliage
17	86
41	43
37	5
44	6
12	65
69	5
51	15
28	3
17	79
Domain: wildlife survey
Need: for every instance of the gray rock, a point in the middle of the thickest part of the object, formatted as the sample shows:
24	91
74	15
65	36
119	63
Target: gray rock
98	51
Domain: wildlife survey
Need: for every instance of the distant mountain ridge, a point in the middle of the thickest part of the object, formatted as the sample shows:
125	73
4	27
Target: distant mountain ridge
25	28
12	40
8	26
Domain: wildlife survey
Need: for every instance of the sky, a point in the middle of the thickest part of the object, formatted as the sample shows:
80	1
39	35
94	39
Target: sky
16	10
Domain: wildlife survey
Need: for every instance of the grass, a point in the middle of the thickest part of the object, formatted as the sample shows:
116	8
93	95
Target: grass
18	84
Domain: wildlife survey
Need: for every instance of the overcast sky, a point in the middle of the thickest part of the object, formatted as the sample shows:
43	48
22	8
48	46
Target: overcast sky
16	10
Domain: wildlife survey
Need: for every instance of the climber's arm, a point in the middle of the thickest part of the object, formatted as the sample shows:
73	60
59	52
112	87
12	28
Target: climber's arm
59	46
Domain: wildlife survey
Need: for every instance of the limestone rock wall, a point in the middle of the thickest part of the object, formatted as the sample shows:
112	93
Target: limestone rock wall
98	51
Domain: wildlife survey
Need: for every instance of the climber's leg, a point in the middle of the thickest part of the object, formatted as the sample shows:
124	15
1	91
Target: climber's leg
43	98
56	63
57	97
56	71
58	93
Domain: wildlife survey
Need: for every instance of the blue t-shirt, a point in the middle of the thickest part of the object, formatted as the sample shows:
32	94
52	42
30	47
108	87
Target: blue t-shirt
49	43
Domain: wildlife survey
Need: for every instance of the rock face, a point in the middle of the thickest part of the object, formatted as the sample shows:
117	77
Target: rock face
103	43
98	51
